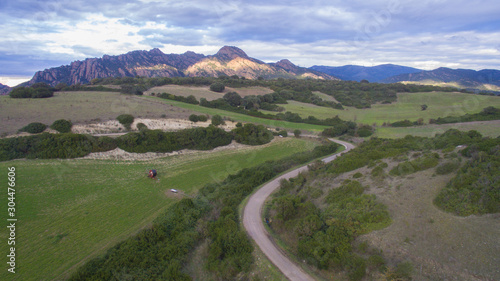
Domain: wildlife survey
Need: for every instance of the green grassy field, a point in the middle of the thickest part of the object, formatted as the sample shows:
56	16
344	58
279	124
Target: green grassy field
440	104
80	107
486	128
69	211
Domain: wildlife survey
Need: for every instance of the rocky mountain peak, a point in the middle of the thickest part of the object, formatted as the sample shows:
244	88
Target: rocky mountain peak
230	53
286	64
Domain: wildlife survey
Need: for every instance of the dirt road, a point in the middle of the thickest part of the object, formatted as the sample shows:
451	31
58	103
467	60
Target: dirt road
254	224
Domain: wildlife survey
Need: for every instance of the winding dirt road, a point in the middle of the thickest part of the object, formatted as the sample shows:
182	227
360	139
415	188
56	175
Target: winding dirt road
254	224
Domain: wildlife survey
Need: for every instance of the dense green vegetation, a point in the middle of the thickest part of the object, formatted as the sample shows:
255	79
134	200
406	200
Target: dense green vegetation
158	141
70	145
252	134
476	187
160	252
62	126
323	236
34	128
37	90
126	120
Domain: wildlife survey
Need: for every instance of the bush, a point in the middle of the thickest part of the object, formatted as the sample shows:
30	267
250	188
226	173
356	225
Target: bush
217	120
126	120
37	90
217	87
34	128
142	127
252	134
297	133
193	118
62	126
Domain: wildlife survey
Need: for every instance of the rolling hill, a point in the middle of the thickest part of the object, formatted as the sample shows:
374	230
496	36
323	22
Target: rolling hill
4	89
358	73
154	63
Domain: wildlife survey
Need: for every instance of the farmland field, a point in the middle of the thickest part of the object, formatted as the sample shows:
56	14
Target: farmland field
80	107
69	211
408	106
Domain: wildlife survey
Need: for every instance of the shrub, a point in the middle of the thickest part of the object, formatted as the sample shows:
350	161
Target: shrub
217	120
142	127
193	118
37	90
62	126
202	118
252	134
126	120
297	133
34	128
217	87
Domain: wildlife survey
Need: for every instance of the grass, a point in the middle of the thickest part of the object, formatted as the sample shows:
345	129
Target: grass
486	128
204	91
69	211
440	104
79	107
242	117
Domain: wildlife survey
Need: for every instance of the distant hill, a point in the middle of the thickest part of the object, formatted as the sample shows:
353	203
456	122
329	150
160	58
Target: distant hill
154	63
487	79
358	73
4	89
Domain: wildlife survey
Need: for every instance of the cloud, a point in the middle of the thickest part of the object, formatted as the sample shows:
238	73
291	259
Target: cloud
420	33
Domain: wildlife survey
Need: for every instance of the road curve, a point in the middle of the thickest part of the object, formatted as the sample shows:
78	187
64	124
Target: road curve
254	224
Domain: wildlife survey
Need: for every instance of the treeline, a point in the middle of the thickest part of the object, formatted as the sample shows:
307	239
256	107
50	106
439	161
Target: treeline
68	145
37	90
161	252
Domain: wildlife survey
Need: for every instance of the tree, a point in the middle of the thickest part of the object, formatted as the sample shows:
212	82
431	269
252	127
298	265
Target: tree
193	118
126	120
217	120
297	133
424	106
62	126
217	87
34	128
233	98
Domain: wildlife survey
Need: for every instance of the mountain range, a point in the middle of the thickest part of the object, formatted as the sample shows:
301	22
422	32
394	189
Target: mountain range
358	73
486	79
231	60
154	63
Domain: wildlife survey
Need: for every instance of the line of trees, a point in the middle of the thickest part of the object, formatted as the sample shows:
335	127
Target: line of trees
68	145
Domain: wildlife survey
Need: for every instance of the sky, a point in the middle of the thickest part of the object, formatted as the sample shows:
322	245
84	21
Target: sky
40	34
